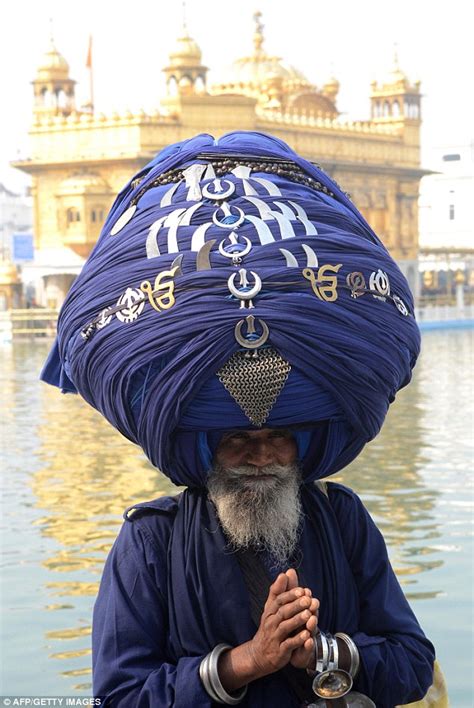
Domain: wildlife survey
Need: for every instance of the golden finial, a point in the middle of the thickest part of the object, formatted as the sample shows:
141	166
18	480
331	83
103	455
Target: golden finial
258	36
185	24
396	64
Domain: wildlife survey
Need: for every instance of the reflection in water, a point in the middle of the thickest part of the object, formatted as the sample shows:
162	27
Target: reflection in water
70	476
84	484
388	475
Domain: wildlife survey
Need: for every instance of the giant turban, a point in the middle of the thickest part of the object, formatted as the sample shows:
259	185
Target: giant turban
235	285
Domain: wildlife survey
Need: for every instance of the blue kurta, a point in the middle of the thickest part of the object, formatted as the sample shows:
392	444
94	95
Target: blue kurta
172	590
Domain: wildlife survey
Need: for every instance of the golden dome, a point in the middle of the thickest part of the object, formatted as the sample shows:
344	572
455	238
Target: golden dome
186	52
331	88
250	74
53	65
258	69
274	83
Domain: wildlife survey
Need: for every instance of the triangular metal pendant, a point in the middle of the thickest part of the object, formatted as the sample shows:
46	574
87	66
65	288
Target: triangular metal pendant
255	380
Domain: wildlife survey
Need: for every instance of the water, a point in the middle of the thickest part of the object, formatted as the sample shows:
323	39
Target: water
68	476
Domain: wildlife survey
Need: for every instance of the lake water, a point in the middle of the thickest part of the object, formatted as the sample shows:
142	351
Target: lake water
68	475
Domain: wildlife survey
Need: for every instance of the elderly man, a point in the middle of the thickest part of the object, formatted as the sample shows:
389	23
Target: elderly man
241	321
256	505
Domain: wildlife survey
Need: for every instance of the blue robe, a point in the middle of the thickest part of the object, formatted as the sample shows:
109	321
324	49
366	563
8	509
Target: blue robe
172	590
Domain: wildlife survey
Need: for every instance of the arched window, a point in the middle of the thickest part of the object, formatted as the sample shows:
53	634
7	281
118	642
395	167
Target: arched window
200	85
395	109
172	86
61	98
72	215
97	214
386	108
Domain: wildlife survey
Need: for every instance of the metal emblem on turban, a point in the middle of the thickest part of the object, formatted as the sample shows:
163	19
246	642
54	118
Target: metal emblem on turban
356	282
400	305
379	282
324	286
255	380
132	305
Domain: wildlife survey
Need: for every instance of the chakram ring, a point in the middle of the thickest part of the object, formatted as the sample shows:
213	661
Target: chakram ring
236	253
218	196
234	224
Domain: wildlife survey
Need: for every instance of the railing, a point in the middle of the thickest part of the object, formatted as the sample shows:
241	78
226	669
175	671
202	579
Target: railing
31	322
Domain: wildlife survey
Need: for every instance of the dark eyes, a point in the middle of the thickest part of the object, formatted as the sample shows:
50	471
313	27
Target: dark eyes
244	435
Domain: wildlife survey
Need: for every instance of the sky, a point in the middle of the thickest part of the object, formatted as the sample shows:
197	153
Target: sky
131	42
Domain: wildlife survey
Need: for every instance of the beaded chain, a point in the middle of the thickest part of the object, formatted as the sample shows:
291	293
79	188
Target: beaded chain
222	167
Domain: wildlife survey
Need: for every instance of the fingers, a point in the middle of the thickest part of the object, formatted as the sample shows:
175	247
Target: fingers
279	585
277	588
290	609
294	623
292	578
311	624
292	594
303	656
292	643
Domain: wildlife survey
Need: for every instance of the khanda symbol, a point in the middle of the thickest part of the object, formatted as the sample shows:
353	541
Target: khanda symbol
161	300
324	286
251	340
245	293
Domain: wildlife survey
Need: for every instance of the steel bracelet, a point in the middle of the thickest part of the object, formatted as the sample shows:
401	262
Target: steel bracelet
333	661
204	676
323	658
215	682
354	652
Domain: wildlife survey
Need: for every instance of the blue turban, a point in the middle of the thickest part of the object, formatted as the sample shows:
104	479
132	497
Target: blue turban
225	246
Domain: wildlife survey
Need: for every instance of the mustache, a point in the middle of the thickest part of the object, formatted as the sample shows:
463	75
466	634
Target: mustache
279	471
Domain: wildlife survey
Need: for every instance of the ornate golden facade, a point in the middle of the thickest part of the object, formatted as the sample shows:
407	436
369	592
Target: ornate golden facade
80	160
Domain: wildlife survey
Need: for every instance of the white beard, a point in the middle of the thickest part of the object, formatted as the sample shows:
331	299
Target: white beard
264	512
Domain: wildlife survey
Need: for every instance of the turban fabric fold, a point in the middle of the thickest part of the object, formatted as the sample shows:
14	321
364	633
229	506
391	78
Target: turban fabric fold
154	315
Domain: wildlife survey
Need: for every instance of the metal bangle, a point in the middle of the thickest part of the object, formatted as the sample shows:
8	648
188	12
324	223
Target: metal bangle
204	676
334	653
354	652
312	672
323	657
215	682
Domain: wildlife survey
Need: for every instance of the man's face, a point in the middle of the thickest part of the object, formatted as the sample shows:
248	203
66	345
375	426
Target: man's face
257	448
255	488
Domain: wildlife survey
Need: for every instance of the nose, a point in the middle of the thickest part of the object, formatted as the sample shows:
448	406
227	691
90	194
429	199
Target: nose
260	453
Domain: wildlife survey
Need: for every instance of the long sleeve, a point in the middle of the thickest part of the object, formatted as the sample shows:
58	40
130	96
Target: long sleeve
396	657
129	638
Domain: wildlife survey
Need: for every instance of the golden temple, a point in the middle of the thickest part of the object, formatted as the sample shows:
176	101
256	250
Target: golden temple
81	159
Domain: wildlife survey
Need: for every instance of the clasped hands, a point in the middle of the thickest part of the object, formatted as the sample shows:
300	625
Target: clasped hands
285	635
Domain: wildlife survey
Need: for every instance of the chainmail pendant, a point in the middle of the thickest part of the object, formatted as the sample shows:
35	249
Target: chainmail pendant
255	380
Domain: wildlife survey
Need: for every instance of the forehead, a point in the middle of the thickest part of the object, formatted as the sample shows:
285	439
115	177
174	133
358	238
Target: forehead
256	434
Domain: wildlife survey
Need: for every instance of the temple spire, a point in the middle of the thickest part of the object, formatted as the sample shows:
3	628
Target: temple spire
258	35
185	24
